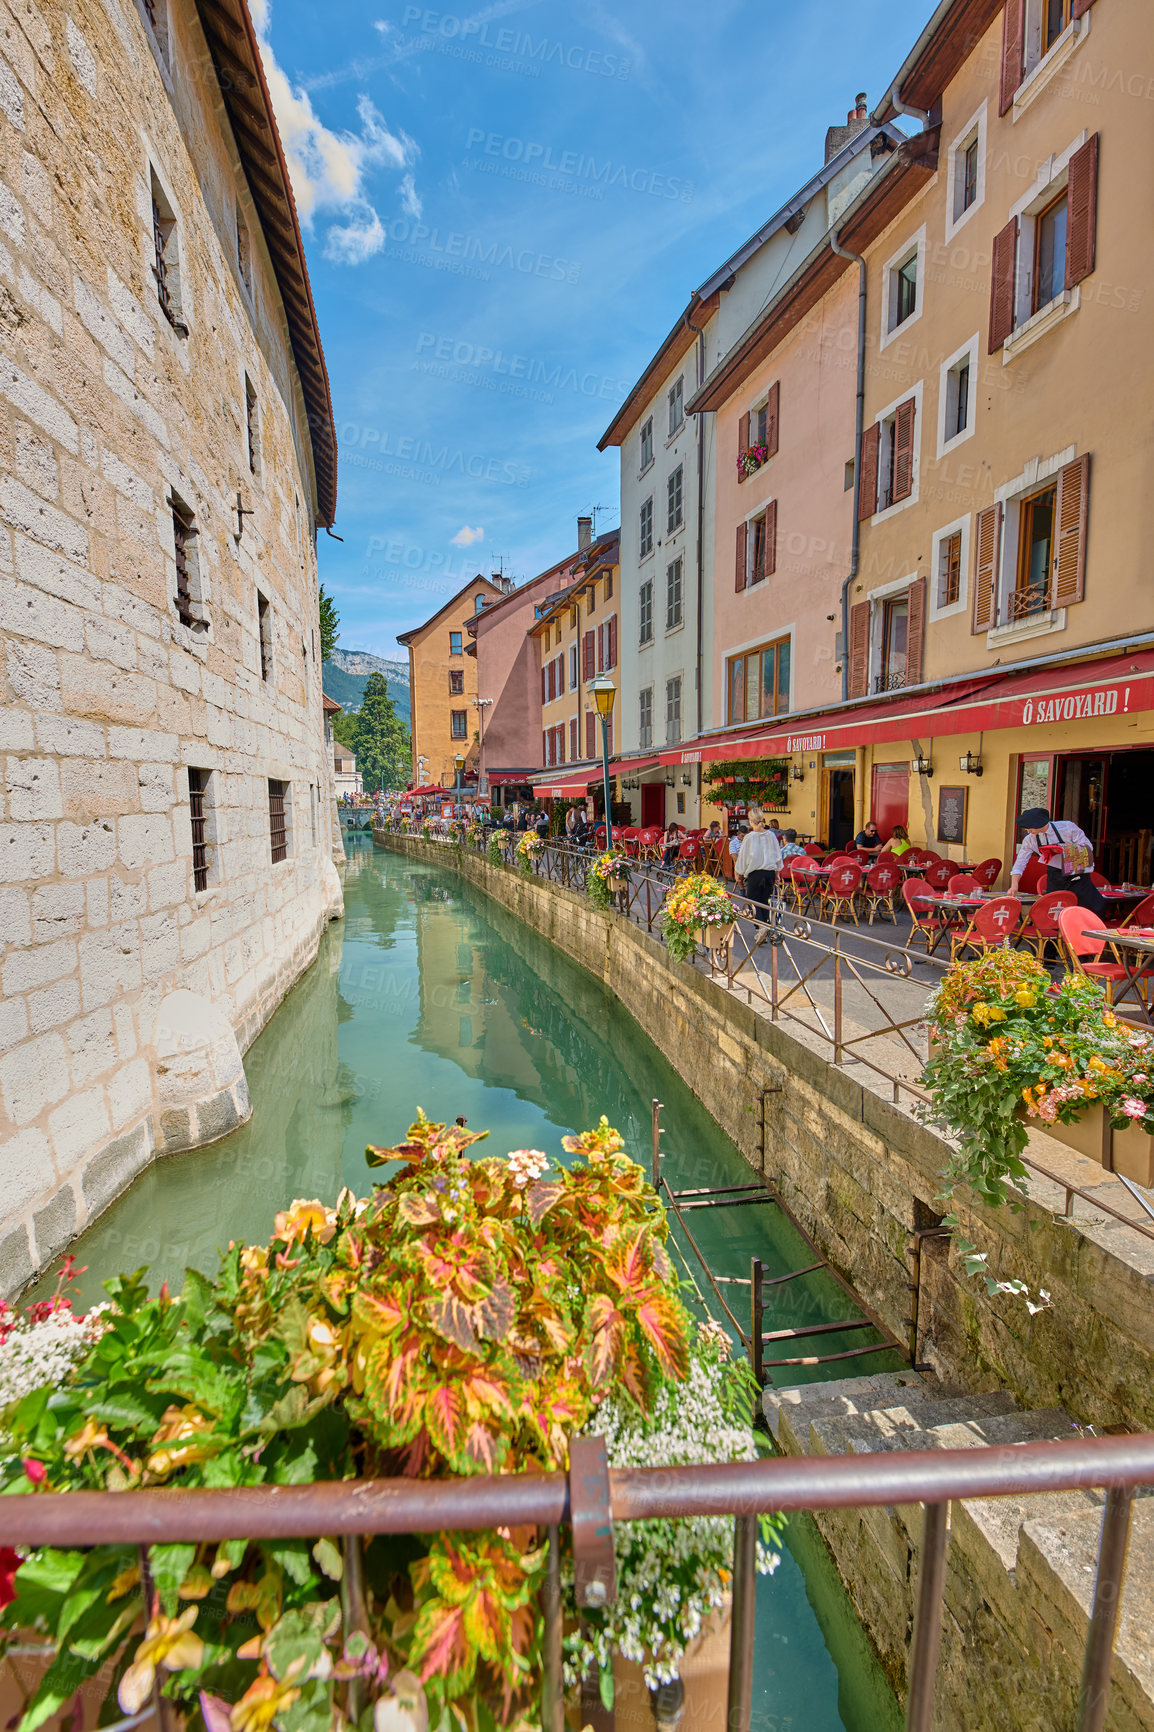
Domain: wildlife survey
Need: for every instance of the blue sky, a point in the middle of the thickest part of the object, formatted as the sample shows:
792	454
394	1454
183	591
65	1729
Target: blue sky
487	291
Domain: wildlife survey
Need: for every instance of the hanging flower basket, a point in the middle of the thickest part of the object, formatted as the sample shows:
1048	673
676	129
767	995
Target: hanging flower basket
695	906
751	460
608	876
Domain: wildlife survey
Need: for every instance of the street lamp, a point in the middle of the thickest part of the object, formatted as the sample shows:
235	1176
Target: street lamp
459	761
604	692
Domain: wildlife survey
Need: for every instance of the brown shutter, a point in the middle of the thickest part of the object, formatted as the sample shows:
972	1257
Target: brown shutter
1080	7
739	570
587	654
904	449
1002	285
1013	42
986	567
916	632
574	738
1081	212
771	538
544	687
742	442
590	734
561	743
867	499
545	747
613	642
859	649
771	416
1070	555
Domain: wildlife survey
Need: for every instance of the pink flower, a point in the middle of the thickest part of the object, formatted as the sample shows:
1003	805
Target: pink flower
36	1470
1133	1107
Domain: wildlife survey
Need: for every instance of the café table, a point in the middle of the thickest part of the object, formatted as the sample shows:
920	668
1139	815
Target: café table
1138	942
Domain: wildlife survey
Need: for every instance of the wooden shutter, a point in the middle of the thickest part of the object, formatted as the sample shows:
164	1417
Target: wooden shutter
561	743
590	733
545	747
771	417
1080	7
551	683
771	538
1082	212
1013	43
916	632
587	656
739	568
867	498
613	642
986	544
544	687
1070	551
1002	285
904	449
859	649
742	441
574	738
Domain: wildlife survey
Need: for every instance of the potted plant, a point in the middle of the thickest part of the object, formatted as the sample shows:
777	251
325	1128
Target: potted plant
751	459
607	877
434	1329
530	847
697	911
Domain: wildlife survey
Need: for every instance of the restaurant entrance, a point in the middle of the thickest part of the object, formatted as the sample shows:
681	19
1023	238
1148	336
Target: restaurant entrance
1109	795
837	805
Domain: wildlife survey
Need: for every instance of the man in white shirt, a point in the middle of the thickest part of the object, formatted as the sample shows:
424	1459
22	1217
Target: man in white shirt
1061	845
759	861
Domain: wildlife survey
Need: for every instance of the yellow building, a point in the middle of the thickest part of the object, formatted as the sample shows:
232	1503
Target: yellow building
443	686
577	634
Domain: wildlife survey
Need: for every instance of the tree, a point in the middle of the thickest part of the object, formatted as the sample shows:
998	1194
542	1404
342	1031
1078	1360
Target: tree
330	625
380	739
345	729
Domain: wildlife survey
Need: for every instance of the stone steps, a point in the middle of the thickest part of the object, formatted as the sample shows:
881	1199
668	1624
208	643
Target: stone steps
1020	1570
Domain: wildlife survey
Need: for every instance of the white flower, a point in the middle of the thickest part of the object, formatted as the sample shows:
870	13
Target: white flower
44	1353
527	1165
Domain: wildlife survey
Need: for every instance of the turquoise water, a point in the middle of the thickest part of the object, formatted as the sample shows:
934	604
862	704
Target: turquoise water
429	995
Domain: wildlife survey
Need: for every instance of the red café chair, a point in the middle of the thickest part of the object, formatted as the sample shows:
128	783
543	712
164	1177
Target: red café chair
1041	924
1101	880
1143	915
927	922
962	884
629	838
994	924
1033	876
688	853
939	874
803	882
649	843
987	873
881	881
841	888
814	850
1086	937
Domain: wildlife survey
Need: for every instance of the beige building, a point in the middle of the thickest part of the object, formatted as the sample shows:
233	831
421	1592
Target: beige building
166	457
578	640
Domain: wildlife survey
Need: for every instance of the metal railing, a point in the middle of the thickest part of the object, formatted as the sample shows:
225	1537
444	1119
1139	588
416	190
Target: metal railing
592	1497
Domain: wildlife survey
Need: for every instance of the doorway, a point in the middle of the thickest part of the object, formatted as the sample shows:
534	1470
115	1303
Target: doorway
890	797
653	805
1107	794
838	807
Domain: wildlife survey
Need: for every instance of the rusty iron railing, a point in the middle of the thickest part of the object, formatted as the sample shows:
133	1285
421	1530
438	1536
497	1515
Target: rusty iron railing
593	1497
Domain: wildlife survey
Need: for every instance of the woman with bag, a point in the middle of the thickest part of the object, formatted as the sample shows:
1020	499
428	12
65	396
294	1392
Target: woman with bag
1067	852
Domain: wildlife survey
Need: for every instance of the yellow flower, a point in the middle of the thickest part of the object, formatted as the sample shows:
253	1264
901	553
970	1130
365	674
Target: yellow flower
168	1642
1109	1019
1026	999
181	1427
302	1218
261	1703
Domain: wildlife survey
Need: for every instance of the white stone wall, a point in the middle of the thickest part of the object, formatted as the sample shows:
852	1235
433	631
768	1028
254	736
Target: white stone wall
126	997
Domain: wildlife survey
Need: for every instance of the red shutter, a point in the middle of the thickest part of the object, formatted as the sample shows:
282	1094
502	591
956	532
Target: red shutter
771	538
859	649
574	738
587	653
601	649
561	743
590	733
916	632
1070	556
545	747
867	499
613	642
1002	285
1080	7
739	569
771	409
1013	42
904	449
742	441
552	681
544	687
1082	212
986	544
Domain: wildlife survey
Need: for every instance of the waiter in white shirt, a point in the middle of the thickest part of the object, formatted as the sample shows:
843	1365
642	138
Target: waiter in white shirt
759	861
1067	851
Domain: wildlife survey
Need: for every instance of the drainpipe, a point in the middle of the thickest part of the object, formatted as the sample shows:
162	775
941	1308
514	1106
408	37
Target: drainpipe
859	428
700	523
895	102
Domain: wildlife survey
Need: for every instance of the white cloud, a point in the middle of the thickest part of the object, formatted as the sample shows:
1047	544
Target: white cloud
465	537
329	169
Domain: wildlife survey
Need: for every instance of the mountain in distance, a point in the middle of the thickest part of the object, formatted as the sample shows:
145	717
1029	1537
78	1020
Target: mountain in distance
345	676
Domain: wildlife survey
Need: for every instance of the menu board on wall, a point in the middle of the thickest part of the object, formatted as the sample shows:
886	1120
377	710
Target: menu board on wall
952	814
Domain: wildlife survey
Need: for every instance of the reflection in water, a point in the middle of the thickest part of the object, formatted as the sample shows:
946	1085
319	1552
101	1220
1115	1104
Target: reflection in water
428	995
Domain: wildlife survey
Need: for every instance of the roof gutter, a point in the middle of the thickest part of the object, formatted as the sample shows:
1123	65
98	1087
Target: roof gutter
891	99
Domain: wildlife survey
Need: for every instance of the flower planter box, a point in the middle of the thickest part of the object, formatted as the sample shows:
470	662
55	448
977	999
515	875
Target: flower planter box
704	1672
617	885
714	937
1129	1151
1134	1154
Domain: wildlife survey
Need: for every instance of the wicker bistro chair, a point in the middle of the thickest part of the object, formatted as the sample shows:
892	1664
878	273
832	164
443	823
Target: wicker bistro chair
1085	937
938	875
1143	915
993	925
1041	923
841	891
881	882
814	850
987	873
688	855
805	885
649	844
963	884
927	922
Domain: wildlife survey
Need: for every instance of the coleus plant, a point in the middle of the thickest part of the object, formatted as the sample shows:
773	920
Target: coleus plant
468	1318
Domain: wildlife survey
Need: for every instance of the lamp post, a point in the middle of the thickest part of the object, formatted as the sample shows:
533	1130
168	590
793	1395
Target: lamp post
604	692
459	761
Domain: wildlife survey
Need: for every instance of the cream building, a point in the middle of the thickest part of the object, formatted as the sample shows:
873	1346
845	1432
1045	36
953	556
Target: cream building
166	457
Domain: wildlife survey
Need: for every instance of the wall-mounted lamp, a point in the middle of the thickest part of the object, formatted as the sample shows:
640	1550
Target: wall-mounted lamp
970	764
924	766
796	773
686	779
669	781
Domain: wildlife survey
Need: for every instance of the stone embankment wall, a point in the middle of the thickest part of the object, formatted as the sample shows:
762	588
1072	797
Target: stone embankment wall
862	1175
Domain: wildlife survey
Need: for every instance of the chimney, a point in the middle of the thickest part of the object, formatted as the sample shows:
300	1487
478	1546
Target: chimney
861	112
839	136
584	534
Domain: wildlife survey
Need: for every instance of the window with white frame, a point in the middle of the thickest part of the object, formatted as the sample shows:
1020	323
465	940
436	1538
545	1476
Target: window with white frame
645	633
1046	249
676	406
897	462
957	396
966	172
572	667
674	510
673	711
646	445
1046	22
155	12
645	717
673	598
950	559
903	286
646	530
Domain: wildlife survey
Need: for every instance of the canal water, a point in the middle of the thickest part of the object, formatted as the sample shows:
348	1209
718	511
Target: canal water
430	996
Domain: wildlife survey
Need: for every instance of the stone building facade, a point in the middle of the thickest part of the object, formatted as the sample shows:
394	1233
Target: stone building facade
166	457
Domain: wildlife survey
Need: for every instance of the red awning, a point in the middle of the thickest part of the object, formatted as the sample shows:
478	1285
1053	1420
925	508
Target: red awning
627	766
502	778
563	787
1109	685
